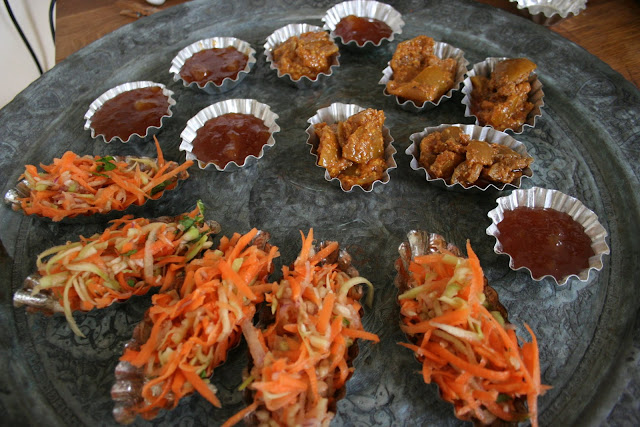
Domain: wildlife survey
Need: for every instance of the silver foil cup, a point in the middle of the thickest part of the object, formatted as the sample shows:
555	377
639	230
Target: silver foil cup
552	199
338	112
241	106
549	12
363	9
214	43
280	36
443	51
480	133
485	68
126	87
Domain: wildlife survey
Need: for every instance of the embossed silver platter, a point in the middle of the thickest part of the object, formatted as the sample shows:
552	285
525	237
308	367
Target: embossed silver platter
585	145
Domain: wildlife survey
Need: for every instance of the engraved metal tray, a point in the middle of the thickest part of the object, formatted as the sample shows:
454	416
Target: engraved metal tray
586	144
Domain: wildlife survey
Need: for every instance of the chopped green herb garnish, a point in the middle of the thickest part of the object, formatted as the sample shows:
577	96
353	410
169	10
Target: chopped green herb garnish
201	207
160	187
99	174
131	252
503	398
187	222
105	164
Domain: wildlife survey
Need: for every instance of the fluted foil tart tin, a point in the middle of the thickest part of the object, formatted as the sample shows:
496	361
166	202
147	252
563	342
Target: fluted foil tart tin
419	243
485	68
537	197
363	9
242	106
443	51
115	91
481	133
280	36
214	43
339	112
549	12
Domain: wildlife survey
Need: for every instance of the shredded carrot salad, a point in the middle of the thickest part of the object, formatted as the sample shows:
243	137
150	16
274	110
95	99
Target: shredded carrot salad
83	185
128	258
195	325
302	359
469	351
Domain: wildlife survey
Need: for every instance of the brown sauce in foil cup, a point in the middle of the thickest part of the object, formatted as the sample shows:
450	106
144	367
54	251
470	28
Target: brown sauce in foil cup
546	241
230	137
213	65
362	29
131	112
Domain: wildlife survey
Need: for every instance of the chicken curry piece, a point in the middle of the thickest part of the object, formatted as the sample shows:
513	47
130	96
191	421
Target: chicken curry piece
308	55
501	101
453	156
353	150
418	74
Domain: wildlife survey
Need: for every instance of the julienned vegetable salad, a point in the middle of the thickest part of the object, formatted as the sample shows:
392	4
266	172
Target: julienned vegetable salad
128	258
194	325
83	185
468	350
302	361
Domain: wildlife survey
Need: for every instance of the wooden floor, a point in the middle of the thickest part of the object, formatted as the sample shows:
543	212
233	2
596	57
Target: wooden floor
609	29
80	22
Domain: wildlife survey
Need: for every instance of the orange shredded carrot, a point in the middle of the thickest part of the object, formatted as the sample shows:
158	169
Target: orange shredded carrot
102	269
84	185
161	161
324	316
464	347
240	415
195	326
227	273
301	360
201	386
357	333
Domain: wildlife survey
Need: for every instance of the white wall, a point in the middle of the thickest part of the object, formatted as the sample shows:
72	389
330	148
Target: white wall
17	69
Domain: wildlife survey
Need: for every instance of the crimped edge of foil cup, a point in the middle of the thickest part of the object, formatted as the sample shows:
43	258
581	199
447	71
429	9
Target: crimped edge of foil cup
485	68
213	43
442	50
482	133
363	9
418	243
558	9
115	91
537	197
280	36
242	106
338	112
